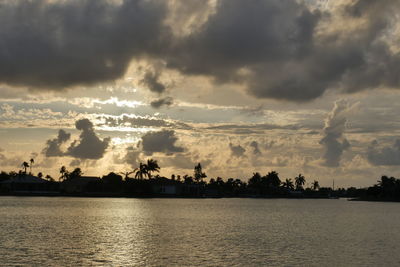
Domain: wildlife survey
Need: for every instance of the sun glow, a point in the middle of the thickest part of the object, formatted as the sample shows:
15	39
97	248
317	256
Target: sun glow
120	103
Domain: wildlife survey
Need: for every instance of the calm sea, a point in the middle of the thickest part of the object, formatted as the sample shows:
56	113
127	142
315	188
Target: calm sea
197	232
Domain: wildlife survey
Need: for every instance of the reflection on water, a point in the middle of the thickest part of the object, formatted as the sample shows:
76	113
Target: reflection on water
197	232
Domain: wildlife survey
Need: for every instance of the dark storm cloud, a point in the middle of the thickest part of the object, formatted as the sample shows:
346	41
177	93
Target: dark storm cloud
167	101
276	43
151	80
237	151
272	47
254	35
89	145
333	140
161	141
52	148
386	156
55	44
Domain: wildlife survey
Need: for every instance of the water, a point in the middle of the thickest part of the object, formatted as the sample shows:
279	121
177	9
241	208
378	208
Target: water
197	232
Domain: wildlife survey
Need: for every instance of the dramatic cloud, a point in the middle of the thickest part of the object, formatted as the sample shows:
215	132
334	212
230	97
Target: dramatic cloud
161	141
52	148
90	146
256	149
333	140
237	151
386	156
280	49
55	44
151	81
167	101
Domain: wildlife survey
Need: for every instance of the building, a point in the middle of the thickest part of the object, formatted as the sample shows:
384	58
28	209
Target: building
26	184
81	185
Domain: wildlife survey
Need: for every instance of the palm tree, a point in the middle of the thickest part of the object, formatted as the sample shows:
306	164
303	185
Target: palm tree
31	161
64	173
25	165
315	185
199	175
152	166
141	171
300	181
288	184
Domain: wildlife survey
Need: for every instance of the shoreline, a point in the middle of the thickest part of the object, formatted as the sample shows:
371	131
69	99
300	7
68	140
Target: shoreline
33	194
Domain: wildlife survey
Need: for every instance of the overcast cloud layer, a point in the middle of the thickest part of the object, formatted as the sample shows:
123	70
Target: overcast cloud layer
280	49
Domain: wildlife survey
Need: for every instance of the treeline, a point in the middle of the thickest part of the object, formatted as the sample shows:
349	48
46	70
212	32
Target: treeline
145	181
386	189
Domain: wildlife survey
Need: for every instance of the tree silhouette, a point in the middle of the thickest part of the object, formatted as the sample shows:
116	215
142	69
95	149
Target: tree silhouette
255	180
152	166
76	173
199	175
31	161
300	181
25	165
272	179
141	171
288	184
315	185
64	173
187	179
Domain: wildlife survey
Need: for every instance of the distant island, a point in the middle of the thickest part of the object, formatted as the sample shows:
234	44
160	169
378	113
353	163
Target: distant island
145	184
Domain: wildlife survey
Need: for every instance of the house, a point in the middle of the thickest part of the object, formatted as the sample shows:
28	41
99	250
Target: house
165	187
28	184
80	185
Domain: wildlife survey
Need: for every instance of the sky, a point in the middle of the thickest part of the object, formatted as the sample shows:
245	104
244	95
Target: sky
300	86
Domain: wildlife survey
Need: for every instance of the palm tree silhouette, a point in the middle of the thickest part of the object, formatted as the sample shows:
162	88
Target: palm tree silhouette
315	185
199	175
288	184
152	166
31	161
300	181
25	165
64	173
141	171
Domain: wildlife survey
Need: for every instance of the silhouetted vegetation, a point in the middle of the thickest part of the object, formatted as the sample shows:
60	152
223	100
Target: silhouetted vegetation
146	184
